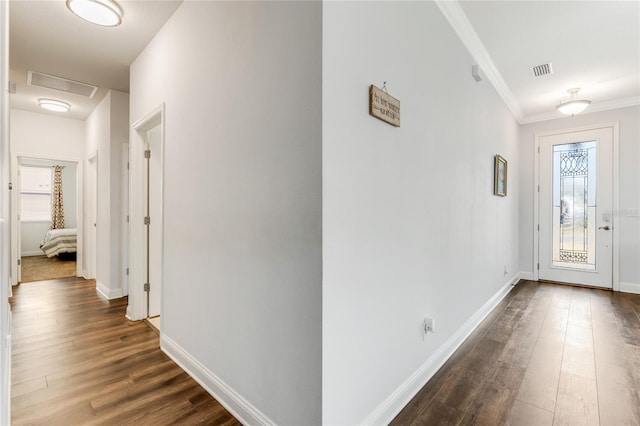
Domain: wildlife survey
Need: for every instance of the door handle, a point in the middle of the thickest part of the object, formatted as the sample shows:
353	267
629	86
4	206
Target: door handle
606	228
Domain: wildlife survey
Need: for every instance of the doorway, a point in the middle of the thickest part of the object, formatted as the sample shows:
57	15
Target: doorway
146	175
44	253
576	204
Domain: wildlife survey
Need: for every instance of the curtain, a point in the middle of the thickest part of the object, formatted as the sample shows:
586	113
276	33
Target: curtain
57	206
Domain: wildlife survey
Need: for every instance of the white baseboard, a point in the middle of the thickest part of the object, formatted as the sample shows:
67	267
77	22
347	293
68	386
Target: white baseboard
390	408
128	314
108	293
526	275
32	253
242	409
630	288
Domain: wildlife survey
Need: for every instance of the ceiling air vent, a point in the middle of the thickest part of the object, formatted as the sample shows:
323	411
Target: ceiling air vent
540	70
35	78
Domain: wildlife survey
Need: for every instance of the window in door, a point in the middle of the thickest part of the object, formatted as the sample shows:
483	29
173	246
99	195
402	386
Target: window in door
574	204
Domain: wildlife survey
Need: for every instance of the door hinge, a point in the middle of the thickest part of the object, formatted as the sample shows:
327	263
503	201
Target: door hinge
147	220
127	166
538	227
127	218
10	186
538	266
19	262
147	287
147	153
538	188
127	271
538	150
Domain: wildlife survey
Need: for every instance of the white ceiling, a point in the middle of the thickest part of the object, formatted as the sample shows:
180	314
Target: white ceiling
594	45
46	37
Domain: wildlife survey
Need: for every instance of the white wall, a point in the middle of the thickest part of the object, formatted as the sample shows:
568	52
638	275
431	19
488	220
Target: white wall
5	284
629	227
31	234
47	136
410	222
107	130
241	82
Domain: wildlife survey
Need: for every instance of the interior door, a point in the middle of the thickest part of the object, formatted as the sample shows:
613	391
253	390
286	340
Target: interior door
576	208
154	212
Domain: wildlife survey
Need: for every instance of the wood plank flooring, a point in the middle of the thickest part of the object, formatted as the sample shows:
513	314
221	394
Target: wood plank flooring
77	360
547	355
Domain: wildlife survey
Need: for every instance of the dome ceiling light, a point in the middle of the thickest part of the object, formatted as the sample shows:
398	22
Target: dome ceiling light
573	105
53	105
102	12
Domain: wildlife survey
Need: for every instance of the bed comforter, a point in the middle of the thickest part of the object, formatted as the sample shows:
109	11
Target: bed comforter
59	241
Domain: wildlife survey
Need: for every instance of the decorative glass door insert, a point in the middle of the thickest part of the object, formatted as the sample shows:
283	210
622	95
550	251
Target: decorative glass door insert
574	206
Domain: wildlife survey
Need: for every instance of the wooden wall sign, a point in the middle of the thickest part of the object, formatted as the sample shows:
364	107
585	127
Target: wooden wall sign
384	106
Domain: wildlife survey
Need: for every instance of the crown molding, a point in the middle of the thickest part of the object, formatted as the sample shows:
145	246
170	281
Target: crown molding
600	106
463	28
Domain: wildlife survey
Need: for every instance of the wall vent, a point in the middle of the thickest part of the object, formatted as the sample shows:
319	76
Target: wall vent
540	70
35	78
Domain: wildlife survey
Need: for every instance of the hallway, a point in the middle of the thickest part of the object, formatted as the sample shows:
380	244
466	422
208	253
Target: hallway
76	359
548	354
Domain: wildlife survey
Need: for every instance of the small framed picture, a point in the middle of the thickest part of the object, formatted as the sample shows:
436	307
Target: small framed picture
500	177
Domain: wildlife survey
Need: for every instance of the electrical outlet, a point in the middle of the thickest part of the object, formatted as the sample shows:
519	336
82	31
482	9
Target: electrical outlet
429	325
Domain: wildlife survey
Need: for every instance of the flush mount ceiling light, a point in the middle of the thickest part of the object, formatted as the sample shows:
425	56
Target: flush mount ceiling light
573	105
102	12
53	105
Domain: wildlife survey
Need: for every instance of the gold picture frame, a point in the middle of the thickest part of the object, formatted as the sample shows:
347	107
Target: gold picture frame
500	176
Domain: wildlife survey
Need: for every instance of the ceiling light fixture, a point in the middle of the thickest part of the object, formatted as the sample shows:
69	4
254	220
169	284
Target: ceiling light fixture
573	105
102	12
53	105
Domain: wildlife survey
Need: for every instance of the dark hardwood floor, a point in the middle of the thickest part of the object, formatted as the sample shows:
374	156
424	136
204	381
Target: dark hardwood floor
76	360
547	355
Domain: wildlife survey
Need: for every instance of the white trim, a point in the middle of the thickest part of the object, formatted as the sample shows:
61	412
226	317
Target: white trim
129	314
32	253
616	206
601	106
137	239
108	293
630	287
615	127
527	276
391	406
237	405
463	28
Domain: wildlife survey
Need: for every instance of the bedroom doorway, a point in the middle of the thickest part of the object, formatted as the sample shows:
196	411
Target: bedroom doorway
46	191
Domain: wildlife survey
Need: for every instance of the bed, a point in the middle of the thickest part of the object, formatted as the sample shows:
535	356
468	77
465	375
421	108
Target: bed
58	241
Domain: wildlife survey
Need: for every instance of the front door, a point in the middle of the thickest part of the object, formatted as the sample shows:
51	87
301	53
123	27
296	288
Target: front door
576	207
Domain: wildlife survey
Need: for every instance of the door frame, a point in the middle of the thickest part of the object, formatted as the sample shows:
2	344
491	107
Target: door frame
90	267
14	203
614	126
137	237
